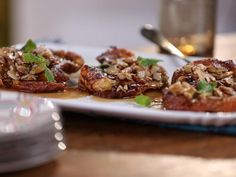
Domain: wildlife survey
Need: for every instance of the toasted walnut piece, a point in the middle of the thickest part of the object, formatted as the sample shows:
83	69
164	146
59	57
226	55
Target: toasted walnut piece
217	70
130	60
103	84
218	92
141	74
156	84
155	69
22	68
126	70
122	63
12	73
112	70
149	79
204	75
28	77
227	90
36	69
183	89
157	76
200	67
136	67
188	68
224	75
123	76
41	50
125	87
122	88
228	80
119	88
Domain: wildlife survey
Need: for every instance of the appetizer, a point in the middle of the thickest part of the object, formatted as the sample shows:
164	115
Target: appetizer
36	68
204	85
122	75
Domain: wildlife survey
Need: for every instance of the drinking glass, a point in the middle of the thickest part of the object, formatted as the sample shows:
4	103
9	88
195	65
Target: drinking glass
189	25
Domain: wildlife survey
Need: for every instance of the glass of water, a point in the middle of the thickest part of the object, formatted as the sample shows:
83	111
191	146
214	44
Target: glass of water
189	25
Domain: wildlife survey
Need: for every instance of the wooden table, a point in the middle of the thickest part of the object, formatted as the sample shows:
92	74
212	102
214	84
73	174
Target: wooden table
107	147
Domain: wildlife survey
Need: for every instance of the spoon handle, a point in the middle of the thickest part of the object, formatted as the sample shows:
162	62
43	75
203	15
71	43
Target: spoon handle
156	37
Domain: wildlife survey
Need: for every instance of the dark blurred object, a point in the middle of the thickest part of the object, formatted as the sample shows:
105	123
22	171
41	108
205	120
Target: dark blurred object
4	22
189	25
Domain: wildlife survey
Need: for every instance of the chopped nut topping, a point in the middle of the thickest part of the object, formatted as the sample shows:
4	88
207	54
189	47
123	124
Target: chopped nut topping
103	84
183	89
141	74
200	71
129	77
157	76
23	66
213	73
227	90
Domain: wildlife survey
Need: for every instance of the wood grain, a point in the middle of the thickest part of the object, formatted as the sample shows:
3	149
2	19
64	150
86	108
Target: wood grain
106	147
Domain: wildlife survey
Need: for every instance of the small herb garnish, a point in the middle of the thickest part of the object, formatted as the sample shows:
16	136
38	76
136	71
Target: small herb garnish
29	46
29	57
49	75
206	87
147	61
143	100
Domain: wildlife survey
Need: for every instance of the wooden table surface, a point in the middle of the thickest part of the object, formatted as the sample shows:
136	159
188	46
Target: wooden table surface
108	147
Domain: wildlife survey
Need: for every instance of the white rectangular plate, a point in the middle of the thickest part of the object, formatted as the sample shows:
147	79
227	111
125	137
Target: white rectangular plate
130	110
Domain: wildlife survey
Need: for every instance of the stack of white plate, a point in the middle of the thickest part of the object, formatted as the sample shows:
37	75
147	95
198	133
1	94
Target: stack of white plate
30	131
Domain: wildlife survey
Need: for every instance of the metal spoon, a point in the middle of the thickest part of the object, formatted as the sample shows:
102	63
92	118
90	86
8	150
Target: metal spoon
153	35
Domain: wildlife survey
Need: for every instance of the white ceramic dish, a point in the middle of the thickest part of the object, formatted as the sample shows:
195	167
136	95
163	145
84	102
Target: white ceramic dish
29	131
130	109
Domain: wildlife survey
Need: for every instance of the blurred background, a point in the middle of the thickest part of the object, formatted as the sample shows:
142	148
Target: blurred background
89	22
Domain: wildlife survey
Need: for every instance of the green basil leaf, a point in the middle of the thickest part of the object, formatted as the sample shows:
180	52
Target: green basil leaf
49	75
31	58
206	87
143	100
29	46
147	61
47	63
